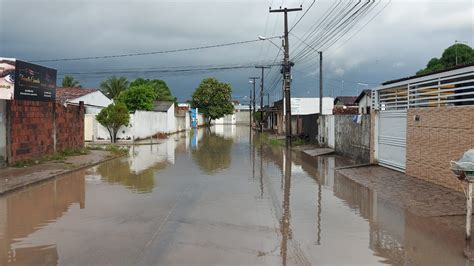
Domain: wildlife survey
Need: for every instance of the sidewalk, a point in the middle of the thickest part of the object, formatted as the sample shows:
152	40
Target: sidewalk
14	178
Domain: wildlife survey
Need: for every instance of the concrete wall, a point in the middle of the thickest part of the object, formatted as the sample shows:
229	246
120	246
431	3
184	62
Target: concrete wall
441	135
144	124
242	117
41	128
226	120
326	133
352	140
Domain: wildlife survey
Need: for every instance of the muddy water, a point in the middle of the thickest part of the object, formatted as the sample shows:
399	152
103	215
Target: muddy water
212	198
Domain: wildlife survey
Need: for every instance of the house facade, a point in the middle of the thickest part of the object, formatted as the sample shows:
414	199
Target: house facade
421	123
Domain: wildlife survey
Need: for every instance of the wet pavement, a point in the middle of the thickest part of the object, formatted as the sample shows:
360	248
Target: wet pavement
213	198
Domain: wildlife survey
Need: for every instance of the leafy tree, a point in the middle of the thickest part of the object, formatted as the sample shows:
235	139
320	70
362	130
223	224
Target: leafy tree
463	52
113	117
113	86
163	92
213	98
141	97
70	82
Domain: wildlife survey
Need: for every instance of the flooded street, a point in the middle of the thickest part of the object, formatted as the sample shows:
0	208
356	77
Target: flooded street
212	197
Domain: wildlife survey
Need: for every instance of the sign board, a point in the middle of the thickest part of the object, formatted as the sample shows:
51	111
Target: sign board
21	80
7	78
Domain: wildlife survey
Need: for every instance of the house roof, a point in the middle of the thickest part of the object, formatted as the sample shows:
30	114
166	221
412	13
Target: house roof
468	64
361	95
162	106
346	100
67	94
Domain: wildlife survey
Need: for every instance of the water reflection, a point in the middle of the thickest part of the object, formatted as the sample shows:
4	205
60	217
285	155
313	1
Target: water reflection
137	171
213	153
24	212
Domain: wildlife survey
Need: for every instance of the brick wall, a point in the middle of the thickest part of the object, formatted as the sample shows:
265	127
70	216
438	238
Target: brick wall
32	128
441	135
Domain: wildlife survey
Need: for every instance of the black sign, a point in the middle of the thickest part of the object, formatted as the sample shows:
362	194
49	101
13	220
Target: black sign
34	82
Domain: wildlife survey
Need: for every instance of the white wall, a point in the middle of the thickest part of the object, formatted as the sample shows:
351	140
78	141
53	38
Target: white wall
170	120
226	120
306	106
143	124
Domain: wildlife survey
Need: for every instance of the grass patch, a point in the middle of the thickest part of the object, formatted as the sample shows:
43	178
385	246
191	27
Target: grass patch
117	150
266	139
112	148
57	157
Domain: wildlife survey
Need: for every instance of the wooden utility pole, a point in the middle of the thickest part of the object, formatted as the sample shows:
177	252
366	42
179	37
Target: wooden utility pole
287	71
261	95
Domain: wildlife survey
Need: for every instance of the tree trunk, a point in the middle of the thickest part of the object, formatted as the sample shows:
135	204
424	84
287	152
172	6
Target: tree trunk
111	135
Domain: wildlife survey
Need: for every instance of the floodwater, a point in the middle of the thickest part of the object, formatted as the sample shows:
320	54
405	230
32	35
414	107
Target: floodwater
210	197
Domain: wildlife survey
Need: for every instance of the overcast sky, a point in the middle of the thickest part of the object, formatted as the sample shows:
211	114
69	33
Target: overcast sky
397	43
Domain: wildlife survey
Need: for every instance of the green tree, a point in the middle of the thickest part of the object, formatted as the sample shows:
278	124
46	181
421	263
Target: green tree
213	98
113	117
113	86
70	82
163	92
141	97
462	52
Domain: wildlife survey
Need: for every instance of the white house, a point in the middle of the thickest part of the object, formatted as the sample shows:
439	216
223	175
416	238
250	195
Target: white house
94	100
364	102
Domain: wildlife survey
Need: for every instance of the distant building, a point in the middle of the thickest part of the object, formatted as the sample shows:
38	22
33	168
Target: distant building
304	113
364	102
345	105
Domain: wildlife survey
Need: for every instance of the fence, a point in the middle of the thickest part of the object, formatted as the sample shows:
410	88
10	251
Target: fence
352	139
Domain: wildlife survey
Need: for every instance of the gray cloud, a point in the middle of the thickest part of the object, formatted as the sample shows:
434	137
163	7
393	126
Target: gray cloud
397	43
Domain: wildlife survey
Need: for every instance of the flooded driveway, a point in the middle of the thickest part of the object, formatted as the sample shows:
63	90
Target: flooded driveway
213	198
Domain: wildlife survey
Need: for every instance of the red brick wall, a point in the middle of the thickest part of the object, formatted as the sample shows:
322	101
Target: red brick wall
32	127
69	127
441	135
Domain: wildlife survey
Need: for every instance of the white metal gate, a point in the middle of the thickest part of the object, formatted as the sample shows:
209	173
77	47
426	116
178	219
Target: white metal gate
392	128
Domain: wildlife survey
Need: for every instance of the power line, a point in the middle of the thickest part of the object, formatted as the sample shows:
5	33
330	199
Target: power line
298	21
149	53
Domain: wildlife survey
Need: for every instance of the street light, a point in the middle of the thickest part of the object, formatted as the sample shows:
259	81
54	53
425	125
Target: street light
456	49
263	38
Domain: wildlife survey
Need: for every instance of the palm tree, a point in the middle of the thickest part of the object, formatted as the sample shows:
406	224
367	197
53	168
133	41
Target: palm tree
70	82
113	86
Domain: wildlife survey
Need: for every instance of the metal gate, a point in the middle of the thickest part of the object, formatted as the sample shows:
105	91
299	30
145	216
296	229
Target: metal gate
392	131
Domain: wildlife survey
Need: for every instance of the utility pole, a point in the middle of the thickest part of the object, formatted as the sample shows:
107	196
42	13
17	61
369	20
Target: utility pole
320	83
287	71
261	95
253	79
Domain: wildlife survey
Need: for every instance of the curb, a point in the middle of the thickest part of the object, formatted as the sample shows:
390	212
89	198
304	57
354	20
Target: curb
65	172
